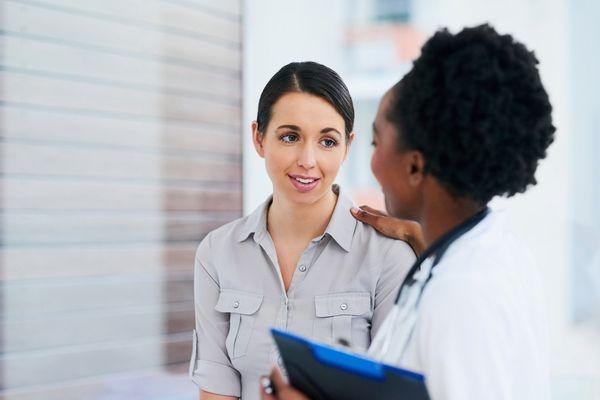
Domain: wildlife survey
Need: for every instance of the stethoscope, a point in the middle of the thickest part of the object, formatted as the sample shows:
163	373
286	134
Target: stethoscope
398	326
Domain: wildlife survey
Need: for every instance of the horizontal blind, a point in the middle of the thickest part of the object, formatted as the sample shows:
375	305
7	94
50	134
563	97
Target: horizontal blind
120	148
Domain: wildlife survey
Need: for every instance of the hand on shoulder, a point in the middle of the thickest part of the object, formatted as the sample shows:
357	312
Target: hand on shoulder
395	228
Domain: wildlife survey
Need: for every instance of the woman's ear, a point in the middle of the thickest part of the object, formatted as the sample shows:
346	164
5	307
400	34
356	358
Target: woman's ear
416	168
349	144
257	139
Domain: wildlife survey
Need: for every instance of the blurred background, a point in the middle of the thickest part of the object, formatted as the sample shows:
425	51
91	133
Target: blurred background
124	139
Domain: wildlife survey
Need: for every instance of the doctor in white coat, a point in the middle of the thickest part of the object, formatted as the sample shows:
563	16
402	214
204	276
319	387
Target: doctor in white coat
469	122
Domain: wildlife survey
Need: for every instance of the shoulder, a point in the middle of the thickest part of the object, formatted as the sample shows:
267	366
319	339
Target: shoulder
388	250
490	250
222	237
485	278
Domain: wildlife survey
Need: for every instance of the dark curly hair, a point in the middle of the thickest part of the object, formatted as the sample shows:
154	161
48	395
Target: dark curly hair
475	106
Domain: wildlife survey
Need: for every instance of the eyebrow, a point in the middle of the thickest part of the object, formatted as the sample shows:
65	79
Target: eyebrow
297	128
327	130
292	127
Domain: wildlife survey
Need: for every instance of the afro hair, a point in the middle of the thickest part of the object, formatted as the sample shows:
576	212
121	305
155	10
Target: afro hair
475	106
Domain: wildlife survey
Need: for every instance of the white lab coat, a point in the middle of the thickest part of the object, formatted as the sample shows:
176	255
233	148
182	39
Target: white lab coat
479	330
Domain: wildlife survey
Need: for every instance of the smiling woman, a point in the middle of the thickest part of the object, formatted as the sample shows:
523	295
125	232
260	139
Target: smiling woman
306	154
300	261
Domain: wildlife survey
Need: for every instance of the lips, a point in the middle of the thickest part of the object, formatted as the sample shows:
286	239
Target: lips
304	183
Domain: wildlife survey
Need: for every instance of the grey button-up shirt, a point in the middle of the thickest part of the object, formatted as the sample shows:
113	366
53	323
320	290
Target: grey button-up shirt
343	286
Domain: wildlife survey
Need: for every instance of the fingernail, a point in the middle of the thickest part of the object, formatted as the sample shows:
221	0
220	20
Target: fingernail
354	210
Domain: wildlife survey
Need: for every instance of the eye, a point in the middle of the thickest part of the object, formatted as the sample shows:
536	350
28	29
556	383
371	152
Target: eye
289	138
329	143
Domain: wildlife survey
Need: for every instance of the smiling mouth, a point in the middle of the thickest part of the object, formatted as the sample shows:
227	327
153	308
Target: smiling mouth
303	183
305	180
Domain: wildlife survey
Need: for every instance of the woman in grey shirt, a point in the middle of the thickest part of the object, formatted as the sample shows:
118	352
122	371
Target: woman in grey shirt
300	261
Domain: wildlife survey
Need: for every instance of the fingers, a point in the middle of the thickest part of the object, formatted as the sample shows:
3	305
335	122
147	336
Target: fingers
265	396
374	211
277	379
408	231
362	215
388	226
263	389
283	391
365	216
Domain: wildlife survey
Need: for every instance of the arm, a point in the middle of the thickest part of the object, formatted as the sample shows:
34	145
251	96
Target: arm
395	228
210	366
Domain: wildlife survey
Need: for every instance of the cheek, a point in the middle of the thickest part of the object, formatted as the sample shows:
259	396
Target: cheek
277	159
376	165
331	162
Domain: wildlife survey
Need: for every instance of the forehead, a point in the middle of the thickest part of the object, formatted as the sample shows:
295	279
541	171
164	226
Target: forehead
305	109
385	129
383	108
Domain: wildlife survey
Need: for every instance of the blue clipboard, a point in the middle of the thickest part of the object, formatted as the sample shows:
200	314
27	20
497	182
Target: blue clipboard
325	373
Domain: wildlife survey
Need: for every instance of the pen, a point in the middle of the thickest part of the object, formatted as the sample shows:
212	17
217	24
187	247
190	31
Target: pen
267	385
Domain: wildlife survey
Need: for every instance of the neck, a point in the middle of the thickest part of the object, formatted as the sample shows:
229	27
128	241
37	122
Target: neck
304	221
442	212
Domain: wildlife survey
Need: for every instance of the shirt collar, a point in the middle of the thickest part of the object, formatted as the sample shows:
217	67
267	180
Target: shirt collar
256	223
341	226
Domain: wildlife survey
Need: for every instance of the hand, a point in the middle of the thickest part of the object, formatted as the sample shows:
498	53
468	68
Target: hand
283	391
395	228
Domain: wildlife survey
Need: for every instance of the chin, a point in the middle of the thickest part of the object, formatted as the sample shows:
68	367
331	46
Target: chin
306	198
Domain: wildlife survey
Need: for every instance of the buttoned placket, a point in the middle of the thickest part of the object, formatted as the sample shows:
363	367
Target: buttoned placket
308	257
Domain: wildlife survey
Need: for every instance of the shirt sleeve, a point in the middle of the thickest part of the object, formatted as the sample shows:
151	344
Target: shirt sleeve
395	265
463	342
210	367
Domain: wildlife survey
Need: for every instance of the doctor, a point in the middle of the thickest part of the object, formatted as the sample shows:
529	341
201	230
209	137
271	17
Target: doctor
469	122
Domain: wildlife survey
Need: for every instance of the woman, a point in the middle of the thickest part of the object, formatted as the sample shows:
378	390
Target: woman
300	261
469	122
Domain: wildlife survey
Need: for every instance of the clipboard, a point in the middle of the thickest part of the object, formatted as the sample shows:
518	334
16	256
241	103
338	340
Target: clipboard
323	372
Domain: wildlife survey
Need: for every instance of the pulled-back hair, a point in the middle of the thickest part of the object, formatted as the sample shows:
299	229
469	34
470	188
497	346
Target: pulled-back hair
307	77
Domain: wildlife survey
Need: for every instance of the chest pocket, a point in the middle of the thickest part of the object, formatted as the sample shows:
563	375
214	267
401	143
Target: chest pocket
242	307
335	314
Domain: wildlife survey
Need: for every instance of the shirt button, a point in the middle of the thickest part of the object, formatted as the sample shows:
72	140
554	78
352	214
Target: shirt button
236	304
302	268
344	307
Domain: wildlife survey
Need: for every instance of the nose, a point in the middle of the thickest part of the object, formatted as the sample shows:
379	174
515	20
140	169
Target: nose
306	158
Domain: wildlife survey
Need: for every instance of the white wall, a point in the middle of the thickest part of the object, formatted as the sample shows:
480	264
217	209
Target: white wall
544	216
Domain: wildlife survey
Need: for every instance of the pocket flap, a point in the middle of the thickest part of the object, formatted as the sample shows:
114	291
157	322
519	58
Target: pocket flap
356	303
238	302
